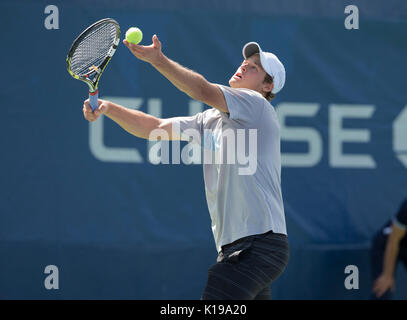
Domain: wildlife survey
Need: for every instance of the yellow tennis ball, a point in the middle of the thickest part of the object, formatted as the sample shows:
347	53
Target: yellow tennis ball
134	35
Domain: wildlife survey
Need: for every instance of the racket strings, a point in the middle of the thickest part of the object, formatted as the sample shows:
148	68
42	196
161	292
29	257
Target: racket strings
93	49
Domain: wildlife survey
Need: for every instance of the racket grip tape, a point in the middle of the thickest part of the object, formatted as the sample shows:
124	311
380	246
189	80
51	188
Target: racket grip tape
93	99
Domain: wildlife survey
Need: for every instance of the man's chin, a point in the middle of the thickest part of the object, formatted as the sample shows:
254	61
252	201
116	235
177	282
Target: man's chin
233	83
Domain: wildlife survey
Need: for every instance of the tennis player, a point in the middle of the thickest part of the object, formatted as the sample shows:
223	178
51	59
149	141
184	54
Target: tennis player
246	210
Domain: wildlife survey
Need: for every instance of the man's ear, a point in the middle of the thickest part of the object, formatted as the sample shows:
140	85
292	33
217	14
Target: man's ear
267	87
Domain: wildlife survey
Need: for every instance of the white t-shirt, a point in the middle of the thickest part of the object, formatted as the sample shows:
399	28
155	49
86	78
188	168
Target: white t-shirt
243	192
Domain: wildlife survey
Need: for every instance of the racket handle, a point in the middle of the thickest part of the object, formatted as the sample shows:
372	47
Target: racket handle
93	99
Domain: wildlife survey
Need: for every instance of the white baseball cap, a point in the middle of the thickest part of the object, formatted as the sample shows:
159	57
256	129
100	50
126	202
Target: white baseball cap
270	63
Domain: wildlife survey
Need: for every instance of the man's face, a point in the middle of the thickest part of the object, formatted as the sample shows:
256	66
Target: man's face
250	75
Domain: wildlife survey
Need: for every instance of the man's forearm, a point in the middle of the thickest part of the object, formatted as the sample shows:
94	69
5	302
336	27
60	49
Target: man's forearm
188	81
390	256
135	122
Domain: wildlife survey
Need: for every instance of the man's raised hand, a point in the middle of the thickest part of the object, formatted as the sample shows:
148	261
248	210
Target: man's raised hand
150	54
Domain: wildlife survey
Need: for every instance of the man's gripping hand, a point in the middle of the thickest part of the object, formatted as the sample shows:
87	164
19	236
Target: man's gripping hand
150	54
90	115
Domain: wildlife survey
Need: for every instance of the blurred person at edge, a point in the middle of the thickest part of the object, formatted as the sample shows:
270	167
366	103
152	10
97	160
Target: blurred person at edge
388	248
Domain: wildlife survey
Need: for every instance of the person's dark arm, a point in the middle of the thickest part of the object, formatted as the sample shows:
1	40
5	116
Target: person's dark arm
386	280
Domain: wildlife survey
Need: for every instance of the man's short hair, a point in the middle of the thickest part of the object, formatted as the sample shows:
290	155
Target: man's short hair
268	95
267	79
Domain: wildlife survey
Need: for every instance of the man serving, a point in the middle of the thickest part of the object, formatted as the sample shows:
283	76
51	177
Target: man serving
246	209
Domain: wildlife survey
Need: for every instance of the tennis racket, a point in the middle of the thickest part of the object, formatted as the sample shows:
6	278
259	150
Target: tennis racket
91	52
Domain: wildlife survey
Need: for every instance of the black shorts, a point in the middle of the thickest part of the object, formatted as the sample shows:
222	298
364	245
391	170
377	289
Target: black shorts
246	268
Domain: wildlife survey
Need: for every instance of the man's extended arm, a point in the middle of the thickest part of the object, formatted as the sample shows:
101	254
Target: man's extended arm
135	122
188	81
141	124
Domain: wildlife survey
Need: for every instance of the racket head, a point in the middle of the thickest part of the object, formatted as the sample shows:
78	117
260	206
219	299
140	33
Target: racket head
92	50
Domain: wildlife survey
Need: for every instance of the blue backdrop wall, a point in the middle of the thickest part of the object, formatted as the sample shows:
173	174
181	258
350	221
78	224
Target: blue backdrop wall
85	197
